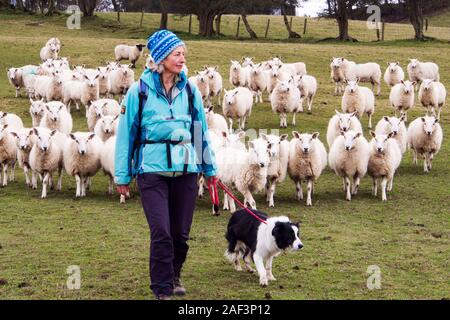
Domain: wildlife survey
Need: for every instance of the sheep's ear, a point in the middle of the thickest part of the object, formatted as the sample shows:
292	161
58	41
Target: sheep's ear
345	81
52	133
35	131
372	133
210	108
423	119
390	135
3	115
263	136
386	119
353	114
397	63
31	132
205	67
402	118
284	137
315	135
224	134
31	101
331	60
402	82
91	136
296	134
413	83
225	90
72	137
358	135
337	112
357	80
216	68
436	120
13	134
115	118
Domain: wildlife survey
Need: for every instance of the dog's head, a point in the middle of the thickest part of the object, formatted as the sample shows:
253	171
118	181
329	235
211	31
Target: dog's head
287	235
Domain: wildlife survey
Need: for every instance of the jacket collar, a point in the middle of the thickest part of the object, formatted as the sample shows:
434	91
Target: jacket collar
153	81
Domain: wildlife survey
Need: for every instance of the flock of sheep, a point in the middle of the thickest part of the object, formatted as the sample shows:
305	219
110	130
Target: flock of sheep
50	146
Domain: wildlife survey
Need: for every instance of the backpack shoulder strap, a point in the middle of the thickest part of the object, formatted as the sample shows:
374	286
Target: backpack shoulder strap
191	111
143	95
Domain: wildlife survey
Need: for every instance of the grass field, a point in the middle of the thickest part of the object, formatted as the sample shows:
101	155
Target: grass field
407	237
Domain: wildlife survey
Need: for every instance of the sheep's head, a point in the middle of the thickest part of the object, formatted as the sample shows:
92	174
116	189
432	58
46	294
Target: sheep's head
98	109
37	107
44	138
350	138
140	46
256	68
273	143
91	77
427	84
235	65
394	123
57	76
429	125
352	86
306	141
202	76
13	73
23	139
234	140
82	142
49	64
336	62
408	86
277	61
393	66
274	70
230	97
247	61
284	86
103	72
108	123
379	141
258	154
53	110
414	63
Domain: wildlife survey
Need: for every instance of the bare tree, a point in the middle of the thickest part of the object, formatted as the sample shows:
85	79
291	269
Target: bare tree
87	7
415	11
164	15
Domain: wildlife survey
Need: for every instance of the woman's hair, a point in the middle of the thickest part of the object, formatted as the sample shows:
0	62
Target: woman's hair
158	67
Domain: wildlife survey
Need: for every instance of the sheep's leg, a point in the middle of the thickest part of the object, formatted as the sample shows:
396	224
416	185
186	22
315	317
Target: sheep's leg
293	119
34	180
281	121
355	185
230	120
259	263
390	184
308	199
310	102
225	201
379	89
347	187
383	189
267	188
84	183
298	188
244	119
269	274
111	185
12	172
248	198
335	88
439	112
271	193
88	183
78	180
374	186
370	120
232	205
344	185
430	159
25	173
60	176
5	175
45	182
425	162
414	156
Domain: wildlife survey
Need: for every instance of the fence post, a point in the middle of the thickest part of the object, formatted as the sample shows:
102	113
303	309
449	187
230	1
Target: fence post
267	28
304	26
383	25
190	23
290	23
238	23
426	24
142	17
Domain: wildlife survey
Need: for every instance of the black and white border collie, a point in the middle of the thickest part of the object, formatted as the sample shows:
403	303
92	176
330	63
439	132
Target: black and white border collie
249	238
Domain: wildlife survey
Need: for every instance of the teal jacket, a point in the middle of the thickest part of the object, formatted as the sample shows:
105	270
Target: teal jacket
162	119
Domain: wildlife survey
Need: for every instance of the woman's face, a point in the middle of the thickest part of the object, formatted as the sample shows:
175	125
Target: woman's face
175	61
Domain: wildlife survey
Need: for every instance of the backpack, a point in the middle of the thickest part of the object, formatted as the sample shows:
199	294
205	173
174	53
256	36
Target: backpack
143	95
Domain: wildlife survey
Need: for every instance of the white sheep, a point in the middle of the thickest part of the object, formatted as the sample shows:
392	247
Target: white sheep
342	122
348	158
104	85
106	107
201	81
284	99
358	99
72	91
417	71
132	53
308	88
15	79
8	155
275	75
432	95
215	82
278	148
239	75
49	87
216	122
402	97
82	158
25	140
121	80
385	158
394	74
57	117
49	51
425	139
397	126
340	71
247	62
237	103
106	127
367	72
259	80
293	69
56	42
307	160
13	121
91	90
46	157
107	163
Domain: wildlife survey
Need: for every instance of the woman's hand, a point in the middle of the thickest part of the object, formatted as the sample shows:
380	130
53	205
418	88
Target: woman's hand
123	189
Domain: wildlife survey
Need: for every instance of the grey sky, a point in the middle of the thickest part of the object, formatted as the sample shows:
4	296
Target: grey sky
311	8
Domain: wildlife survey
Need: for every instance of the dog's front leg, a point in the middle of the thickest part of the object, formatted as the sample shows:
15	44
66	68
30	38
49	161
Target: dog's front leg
259	263
269	269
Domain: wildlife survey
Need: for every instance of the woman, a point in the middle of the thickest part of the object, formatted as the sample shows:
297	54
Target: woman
166	152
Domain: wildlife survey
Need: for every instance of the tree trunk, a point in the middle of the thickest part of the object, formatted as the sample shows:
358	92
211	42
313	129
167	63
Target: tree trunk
415	9
51	7
292	34
248	27
206	23
164	16
218	21
342	20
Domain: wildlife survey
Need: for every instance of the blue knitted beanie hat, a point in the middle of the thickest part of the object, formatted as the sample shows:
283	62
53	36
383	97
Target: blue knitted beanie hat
162	43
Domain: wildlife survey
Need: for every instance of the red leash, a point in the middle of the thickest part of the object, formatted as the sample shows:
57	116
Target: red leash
215	198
